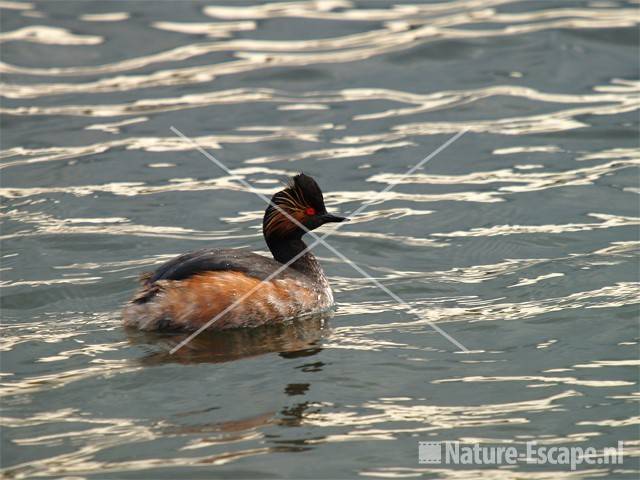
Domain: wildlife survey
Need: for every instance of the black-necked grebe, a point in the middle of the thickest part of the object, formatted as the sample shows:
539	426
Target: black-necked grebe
187	292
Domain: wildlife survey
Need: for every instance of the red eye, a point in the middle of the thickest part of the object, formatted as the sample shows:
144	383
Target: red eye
310	211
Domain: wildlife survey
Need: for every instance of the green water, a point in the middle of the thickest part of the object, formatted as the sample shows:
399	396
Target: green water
519	240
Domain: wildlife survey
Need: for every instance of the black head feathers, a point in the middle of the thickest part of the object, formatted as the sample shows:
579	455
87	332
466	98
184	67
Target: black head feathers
305	191
300	204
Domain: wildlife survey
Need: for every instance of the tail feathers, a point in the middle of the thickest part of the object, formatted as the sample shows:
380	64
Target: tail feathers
147	310
147	292
145	277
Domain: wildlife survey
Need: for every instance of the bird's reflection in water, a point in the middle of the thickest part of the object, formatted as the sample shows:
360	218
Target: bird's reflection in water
246	428
297	338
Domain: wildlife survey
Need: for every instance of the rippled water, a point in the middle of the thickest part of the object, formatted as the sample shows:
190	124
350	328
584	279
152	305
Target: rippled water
520	239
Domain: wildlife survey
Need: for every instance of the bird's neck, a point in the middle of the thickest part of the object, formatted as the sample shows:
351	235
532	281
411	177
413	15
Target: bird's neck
294	250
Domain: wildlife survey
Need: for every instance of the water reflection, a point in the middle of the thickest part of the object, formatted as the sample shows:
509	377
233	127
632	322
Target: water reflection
246	428
299	338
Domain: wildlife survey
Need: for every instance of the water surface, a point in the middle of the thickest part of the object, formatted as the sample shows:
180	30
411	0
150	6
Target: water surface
520	239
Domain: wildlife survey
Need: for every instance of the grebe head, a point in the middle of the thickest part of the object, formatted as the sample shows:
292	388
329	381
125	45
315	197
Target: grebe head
302	199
